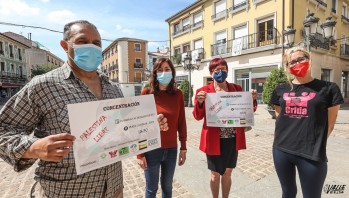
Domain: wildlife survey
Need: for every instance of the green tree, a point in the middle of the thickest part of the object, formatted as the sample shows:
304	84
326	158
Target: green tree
276	77
41	69
184	87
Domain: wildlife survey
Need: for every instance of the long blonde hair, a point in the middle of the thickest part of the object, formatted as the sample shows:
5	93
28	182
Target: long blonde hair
286	59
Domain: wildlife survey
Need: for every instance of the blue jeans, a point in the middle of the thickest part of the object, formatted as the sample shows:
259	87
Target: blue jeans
312	174
166	158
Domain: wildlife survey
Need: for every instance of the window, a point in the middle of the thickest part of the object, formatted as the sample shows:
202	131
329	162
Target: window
19	54
1	48
176	28
240	33
326	74
51	60
186	47
220	47
265	32
112	50
334	6
177	51
137	47
138	63
20	68
186	24
198	44
138	90
12	68
345	10
48	59
11	51
238	5
2	67
197	19
154	60
219	9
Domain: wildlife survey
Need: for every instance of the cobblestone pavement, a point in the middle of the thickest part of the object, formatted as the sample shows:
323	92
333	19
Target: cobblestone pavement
254	163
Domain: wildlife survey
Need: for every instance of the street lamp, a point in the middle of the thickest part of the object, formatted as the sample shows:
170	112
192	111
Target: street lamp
289	34
310	28
190	67
147	73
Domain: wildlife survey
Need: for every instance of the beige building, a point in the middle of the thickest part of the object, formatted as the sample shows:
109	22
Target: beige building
248	34
124	62
36	55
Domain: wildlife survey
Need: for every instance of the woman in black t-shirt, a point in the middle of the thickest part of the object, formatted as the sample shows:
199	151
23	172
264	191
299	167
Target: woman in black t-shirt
306	110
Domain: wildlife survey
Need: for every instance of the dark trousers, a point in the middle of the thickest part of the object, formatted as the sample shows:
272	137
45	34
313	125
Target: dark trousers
312	174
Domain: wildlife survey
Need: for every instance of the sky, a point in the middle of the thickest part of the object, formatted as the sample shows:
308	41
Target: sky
143	19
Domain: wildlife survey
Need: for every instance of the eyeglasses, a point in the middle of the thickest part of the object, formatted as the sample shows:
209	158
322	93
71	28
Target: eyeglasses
298	60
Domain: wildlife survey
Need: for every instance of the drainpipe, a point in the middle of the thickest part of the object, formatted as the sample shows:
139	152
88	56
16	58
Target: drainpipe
169	36
283	27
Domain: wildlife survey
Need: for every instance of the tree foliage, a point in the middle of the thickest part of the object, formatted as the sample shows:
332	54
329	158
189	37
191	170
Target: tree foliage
41	69
276	77
184	87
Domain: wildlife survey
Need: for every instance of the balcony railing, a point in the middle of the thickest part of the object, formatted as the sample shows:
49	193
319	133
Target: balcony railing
197	54
138	80
12	75
345	50
264	38
184	29
238	6
198	24
113	67
345	19
318	40
219	15
115	79
138	65
2	52
321	2
334	10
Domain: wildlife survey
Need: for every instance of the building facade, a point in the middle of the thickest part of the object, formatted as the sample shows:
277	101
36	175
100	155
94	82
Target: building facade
248	34
124	62
36	55
13	72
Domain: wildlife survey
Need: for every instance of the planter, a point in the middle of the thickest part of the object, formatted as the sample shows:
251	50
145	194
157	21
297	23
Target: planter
272	113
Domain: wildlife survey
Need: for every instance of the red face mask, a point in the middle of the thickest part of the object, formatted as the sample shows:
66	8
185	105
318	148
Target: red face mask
300	69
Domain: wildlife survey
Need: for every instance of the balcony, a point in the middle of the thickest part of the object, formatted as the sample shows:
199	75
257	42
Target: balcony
139	80
10	77
113	67
178	32
317	40
115	80
345	50
219	15
345	19
260	39
138	65
195	55
198	24
321	3
238	7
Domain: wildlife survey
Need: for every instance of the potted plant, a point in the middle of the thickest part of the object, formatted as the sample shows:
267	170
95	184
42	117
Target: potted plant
276	77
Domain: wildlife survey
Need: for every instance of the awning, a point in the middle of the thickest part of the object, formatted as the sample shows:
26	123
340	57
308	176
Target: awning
9	85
